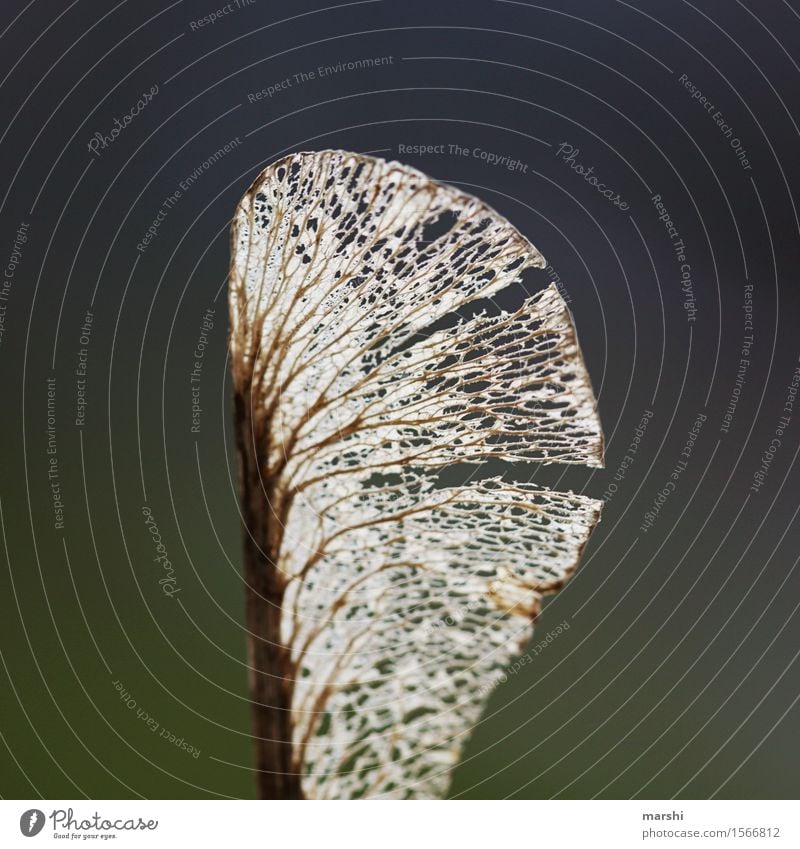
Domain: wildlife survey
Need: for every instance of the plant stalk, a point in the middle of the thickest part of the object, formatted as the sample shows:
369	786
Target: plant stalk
270	670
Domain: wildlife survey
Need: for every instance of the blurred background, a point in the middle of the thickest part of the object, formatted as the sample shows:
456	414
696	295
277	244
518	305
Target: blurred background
130	132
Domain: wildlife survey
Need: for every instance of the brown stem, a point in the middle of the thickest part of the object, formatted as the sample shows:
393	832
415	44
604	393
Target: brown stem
270	670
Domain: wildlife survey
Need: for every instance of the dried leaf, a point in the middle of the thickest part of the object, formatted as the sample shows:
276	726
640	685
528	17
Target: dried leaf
397	601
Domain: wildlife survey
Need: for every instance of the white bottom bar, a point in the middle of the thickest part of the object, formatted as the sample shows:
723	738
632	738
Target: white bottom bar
393	825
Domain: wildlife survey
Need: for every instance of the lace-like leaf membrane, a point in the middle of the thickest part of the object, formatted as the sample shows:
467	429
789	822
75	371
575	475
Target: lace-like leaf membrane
405	599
